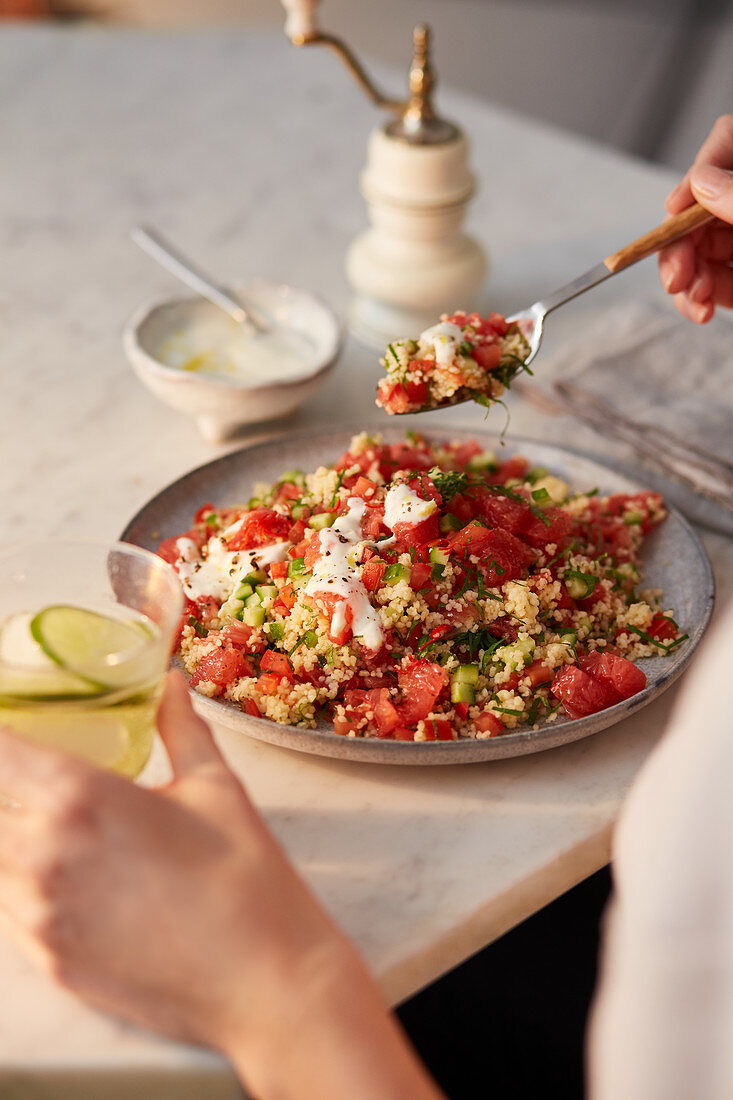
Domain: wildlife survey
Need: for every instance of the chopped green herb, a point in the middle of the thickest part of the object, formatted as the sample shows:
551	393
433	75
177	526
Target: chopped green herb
199	627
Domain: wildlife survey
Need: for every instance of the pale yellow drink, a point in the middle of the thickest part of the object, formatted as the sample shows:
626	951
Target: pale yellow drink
87	678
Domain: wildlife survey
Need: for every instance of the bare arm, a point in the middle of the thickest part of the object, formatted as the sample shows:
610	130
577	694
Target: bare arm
178	909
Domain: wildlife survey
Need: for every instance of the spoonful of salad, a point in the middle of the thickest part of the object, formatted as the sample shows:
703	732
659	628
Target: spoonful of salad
466	357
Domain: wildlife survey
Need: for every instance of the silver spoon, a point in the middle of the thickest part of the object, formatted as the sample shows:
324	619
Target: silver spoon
532	320
173	261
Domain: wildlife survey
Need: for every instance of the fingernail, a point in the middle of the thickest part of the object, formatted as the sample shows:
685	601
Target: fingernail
710	182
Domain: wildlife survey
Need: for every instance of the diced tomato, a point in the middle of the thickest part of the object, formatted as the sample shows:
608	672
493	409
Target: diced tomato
580	693
419	574
268	683
363	487
565	602
222	667
286	596
615	671
489	723
404	733
515	467
417	393
251	707
494	324
328	602
461	709
505	627
240	634
259	527
500	511
272	661
438	729
296	532
422	683
311	553
662	629
471	539
372	522
288	490
169	551
207	609
488	356
556	529
427	530
393	396
537	673
371	575
278	570
386	716
504	557
343	725
204	511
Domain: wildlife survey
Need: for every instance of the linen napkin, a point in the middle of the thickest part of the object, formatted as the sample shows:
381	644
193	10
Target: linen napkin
651	365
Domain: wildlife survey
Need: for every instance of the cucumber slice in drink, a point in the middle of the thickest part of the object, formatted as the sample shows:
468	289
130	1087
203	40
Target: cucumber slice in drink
82	642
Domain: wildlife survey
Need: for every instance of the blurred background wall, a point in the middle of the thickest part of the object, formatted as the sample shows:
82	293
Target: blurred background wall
647	76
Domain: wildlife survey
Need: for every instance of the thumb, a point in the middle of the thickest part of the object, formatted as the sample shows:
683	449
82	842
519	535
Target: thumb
187	737
713	189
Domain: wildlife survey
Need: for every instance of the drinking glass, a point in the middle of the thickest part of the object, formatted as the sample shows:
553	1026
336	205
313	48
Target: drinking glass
86	631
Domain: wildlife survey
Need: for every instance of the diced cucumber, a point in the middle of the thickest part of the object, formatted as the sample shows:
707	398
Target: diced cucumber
465	674
438	556
276	631
253	616
266	591
296	568
485	461
580	585
299	511
243	591
633	518
393	574
253	601
295	477
462	693
230	609
449	523
322	520
310	639
516	655
257	576
300	581
254	502
534	473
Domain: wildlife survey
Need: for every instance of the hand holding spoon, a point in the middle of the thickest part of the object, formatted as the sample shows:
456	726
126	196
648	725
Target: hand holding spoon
453	361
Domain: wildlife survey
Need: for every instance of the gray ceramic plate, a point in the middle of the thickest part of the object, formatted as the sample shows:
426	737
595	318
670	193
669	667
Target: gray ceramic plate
674	560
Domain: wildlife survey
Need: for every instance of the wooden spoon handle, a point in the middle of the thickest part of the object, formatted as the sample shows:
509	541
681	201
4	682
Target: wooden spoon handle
670	230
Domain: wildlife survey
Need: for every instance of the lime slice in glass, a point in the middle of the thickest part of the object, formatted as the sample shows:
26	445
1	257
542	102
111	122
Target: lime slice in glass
87	644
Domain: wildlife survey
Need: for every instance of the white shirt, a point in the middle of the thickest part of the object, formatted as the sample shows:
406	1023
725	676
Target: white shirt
662	1025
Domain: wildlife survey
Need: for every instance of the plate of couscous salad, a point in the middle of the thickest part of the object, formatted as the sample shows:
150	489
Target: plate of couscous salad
398	597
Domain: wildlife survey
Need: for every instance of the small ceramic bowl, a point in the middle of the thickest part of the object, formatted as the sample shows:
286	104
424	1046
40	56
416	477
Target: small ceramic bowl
219	404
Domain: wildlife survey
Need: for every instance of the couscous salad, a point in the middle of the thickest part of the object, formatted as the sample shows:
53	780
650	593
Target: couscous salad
420	591
463	356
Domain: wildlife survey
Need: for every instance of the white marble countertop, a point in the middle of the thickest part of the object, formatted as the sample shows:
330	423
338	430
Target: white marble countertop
247	153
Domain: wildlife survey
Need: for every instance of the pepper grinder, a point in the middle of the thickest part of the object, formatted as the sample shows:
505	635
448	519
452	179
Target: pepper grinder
413	262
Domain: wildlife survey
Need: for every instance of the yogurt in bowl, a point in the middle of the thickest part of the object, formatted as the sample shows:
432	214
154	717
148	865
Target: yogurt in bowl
194	357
